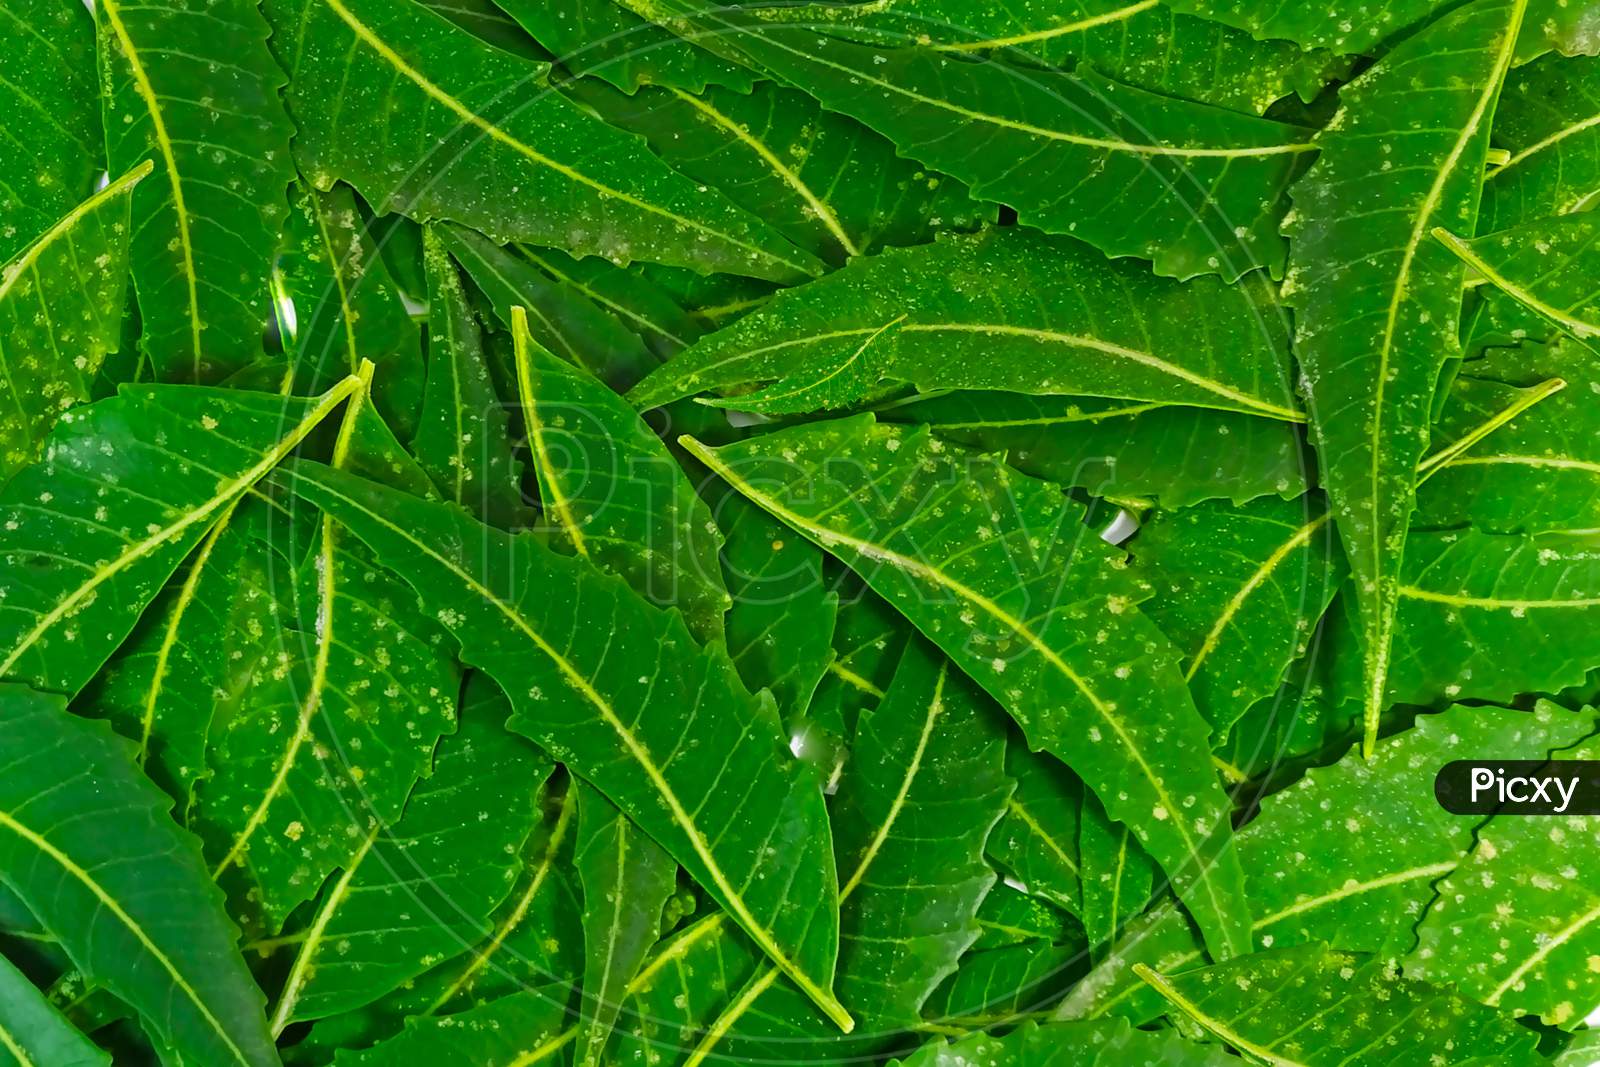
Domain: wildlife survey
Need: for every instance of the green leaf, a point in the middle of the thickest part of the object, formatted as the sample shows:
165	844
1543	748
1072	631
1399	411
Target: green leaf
1464	590
421	887
61	301
1177	456
47	86
560	317
517	1030
1345	28
1536	474
461	440
1239	590
1144	43
93	531
1012	310
638	303
348	308
1107	1044
997	987
781	622
1560	25
1313	871
613	493
923	789
482	151
925	781
314	753
1549	121
33	1031
1547	266
1376	300
1008	916
538	933
194	652
1116	875
537	622
1019	609
1036	840
192	85
1314	1007
600	39
824	181
1192	187
86	842
1515	925
627	879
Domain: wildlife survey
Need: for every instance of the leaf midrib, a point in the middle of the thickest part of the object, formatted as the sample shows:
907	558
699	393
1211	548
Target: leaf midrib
365	33
757	931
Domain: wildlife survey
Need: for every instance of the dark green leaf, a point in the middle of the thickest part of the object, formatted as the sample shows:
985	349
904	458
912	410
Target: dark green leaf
627	879
1376	299
61	301
515	607
1006	309
48	88
91	533
475	135
1312	1007
86	842
192	85
1021	609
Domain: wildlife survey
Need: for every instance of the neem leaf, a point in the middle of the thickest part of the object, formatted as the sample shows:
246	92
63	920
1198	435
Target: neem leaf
504	154
538	932
829	184
926	780
1547	265
33	1031
1008	916
611	490
781	623
922	790
1143	43
998	987
1096	1044
1540	472
196	649
1006	309
1239	590
1035	608
1340	26
48	90
1464	590
420	887
1115	875
61	301
569	646
1347	855
1192	187
1515	925
461	439
1549	121
1036	839
1313	1007
1377	300
1176	456
600	39
518	1030
193	85
92	532
348	307
86	843
637	302
560	317
627	879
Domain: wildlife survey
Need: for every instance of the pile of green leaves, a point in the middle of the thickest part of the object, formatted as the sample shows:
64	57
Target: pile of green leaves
925	531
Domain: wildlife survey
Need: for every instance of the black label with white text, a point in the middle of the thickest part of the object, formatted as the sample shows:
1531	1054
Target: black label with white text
1519	787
